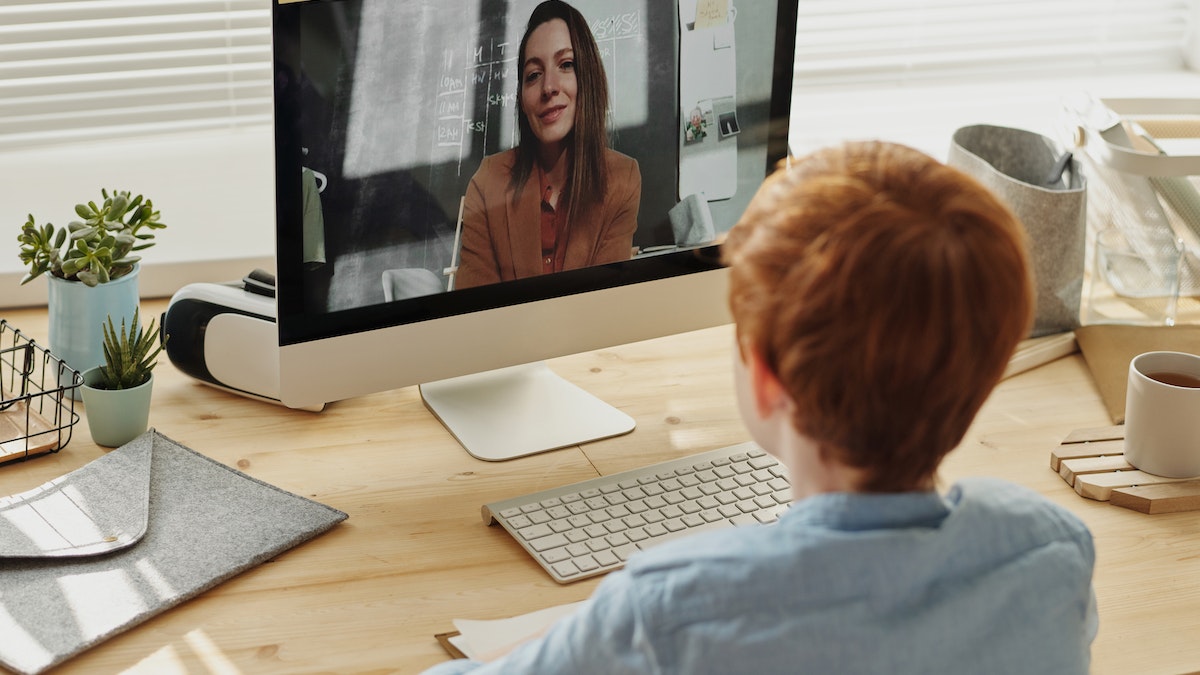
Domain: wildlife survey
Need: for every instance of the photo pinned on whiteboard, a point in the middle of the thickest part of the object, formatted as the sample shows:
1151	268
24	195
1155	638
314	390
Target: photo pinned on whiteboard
726	115
697	121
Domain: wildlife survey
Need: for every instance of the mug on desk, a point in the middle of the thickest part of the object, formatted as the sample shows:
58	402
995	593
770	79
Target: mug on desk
1162	414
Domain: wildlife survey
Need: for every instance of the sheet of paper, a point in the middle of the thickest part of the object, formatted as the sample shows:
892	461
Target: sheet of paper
481	638
711	13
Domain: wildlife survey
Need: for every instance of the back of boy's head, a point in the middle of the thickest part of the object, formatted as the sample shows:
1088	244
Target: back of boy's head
887	292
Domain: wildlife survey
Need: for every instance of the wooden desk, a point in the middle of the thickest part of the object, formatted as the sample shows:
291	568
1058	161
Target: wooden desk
369	595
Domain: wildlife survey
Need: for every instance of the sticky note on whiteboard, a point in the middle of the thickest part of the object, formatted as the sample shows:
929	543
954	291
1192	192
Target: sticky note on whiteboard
711	13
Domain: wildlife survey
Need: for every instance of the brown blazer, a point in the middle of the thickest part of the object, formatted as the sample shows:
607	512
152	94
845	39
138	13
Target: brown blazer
501	236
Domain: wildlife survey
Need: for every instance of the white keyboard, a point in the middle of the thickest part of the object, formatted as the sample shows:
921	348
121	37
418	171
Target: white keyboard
584	529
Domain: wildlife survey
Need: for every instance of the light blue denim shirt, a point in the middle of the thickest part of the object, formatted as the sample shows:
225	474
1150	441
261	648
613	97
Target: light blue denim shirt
989	578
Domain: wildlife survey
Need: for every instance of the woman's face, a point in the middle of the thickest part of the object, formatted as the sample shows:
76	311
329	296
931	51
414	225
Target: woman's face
548	85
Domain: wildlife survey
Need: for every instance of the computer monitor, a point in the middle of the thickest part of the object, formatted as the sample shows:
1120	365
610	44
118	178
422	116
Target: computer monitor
384	114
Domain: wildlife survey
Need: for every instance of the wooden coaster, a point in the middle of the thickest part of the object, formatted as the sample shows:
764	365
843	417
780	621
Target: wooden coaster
1093	462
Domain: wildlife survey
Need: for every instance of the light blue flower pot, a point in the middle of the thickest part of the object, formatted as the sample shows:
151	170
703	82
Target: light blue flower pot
77	313
115	416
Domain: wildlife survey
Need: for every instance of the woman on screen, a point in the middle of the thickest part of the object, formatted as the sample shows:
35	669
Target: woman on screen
562	199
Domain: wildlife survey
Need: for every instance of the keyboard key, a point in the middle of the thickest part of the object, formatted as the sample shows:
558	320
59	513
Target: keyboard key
606	558
762	462
617	539
635	534
586	563
551	541
565	569
653	516
534	531
655	530
598	545
623	552
551	502
518	522
555	555
617	511
617	525
634	520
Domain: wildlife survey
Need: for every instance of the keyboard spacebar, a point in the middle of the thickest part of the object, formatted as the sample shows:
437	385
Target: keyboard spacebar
672	536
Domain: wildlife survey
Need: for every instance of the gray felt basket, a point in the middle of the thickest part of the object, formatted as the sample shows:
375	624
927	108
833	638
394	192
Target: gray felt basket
1026	171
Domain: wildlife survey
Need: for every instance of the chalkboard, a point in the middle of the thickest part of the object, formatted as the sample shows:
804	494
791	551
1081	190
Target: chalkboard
404	99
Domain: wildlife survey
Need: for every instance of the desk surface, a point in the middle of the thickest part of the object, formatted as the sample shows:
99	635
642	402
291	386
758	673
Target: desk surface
369	595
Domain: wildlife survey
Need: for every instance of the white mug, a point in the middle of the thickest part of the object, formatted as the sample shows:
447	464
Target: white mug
1162	414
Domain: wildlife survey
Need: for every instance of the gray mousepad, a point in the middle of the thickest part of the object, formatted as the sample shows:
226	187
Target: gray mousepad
127	536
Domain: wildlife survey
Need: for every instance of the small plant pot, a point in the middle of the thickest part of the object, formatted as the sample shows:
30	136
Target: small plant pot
115	416
77	313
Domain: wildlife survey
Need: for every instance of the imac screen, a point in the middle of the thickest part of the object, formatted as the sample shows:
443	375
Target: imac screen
451	158
387	111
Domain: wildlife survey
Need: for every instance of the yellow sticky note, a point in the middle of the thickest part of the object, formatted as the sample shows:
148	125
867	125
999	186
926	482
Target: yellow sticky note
711	13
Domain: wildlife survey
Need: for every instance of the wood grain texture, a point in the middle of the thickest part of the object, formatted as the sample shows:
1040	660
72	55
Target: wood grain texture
369	596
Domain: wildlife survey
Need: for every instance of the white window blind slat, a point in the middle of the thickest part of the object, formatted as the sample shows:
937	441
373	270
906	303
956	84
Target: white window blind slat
74	70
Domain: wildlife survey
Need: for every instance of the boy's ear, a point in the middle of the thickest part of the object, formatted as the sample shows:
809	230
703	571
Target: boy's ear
768	391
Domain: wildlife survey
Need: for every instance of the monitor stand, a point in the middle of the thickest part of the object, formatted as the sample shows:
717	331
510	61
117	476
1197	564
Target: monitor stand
522	410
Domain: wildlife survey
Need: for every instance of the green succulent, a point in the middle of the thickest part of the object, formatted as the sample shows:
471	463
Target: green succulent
94	250
128	358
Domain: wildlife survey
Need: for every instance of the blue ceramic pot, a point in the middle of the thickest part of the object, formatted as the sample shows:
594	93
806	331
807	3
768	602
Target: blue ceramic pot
77	313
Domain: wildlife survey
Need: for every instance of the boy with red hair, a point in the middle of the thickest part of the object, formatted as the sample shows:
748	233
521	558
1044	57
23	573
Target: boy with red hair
878	295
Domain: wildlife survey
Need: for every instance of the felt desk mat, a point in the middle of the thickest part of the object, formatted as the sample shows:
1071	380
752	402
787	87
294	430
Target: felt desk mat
127	536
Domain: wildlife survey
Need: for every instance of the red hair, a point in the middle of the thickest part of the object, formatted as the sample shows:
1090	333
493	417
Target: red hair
887	292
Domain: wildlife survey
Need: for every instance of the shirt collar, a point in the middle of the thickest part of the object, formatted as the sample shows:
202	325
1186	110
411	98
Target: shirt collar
856	511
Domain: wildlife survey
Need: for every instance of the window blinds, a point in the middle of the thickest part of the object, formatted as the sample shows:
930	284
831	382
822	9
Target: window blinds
84	69
868	43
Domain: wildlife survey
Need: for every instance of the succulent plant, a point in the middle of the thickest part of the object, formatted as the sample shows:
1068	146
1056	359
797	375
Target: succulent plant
93	250
128	358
